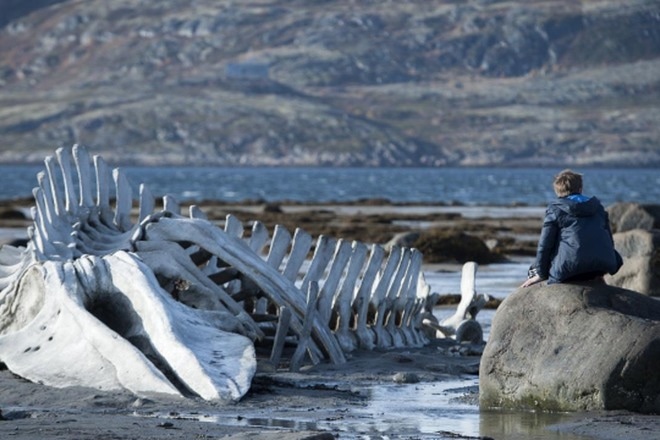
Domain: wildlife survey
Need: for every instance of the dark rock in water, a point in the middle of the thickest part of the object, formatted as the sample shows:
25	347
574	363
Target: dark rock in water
469	331
405	378
450	299
403	239
439	246
573	347
14	214
320	436
272	207
640	272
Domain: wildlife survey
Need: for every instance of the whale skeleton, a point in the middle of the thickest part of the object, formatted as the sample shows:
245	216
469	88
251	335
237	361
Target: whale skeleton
153	301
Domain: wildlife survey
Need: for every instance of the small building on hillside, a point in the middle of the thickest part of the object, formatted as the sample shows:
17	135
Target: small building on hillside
249	70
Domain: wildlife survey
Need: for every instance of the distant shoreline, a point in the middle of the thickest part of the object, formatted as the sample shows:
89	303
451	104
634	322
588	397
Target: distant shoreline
509	230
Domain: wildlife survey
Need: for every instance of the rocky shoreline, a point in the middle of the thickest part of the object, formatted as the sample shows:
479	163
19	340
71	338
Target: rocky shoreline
324	401
504	230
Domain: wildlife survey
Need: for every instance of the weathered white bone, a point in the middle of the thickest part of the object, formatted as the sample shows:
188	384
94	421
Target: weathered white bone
361	304
171	205
50	327
233	226
58	209
278	246
94	299
71	201
423	304
396	299
258	237
238	254
280	335
51	226
103	179
302	242
377	302
404	299
172	304
328	292
344	300
196	212
196	351
69	237
409	300
85	178
322	255
204	293
124	201
462	325
306	331
385	337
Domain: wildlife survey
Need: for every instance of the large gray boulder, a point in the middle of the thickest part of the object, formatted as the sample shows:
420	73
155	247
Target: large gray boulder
640	272
571	347
626	216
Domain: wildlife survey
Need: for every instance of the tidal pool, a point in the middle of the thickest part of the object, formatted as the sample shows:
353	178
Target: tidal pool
432	410
449	410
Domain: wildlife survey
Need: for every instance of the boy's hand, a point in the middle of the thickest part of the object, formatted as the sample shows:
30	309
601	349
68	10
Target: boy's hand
533	280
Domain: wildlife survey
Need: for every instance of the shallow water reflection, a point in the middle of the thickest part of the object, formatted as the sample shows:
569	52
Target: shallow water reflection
524	425
422	408
438	409
434	410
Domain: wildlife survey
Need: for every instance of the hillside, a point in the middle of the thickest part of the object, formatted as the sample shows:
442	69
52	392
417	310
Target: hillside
274	82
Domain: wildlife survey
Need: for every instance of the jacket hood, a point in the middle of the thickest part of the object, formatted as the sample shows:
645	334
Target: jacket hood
579	206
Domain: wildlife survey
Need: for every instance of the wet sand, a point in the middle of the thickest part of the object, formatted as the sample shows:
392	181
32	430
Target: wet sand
308	404
322	401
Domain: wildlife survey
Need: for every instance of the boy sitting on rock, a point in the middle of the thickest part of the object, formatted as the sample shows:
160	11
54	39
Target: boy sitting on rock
576	240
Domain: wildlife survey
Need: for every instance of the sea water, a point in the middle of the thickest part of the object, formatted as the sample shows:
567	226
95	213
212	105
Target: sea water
463	186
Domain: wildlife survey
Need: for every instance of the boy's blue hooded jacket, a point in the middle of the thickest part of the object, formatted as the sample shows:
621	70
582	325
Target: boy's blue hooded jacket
575	240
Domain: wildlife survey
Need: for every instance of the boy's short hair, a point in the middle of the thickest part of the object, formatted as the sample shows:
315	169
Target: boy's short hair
566	183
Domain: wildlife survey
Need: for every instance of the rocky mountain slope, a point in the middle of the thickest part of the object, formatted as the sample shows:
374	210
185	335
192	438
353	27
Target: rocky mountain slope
406	83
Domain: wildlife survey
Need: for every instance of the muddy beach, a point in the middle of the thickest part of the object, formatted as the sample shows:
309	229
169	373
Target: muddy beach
429	392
